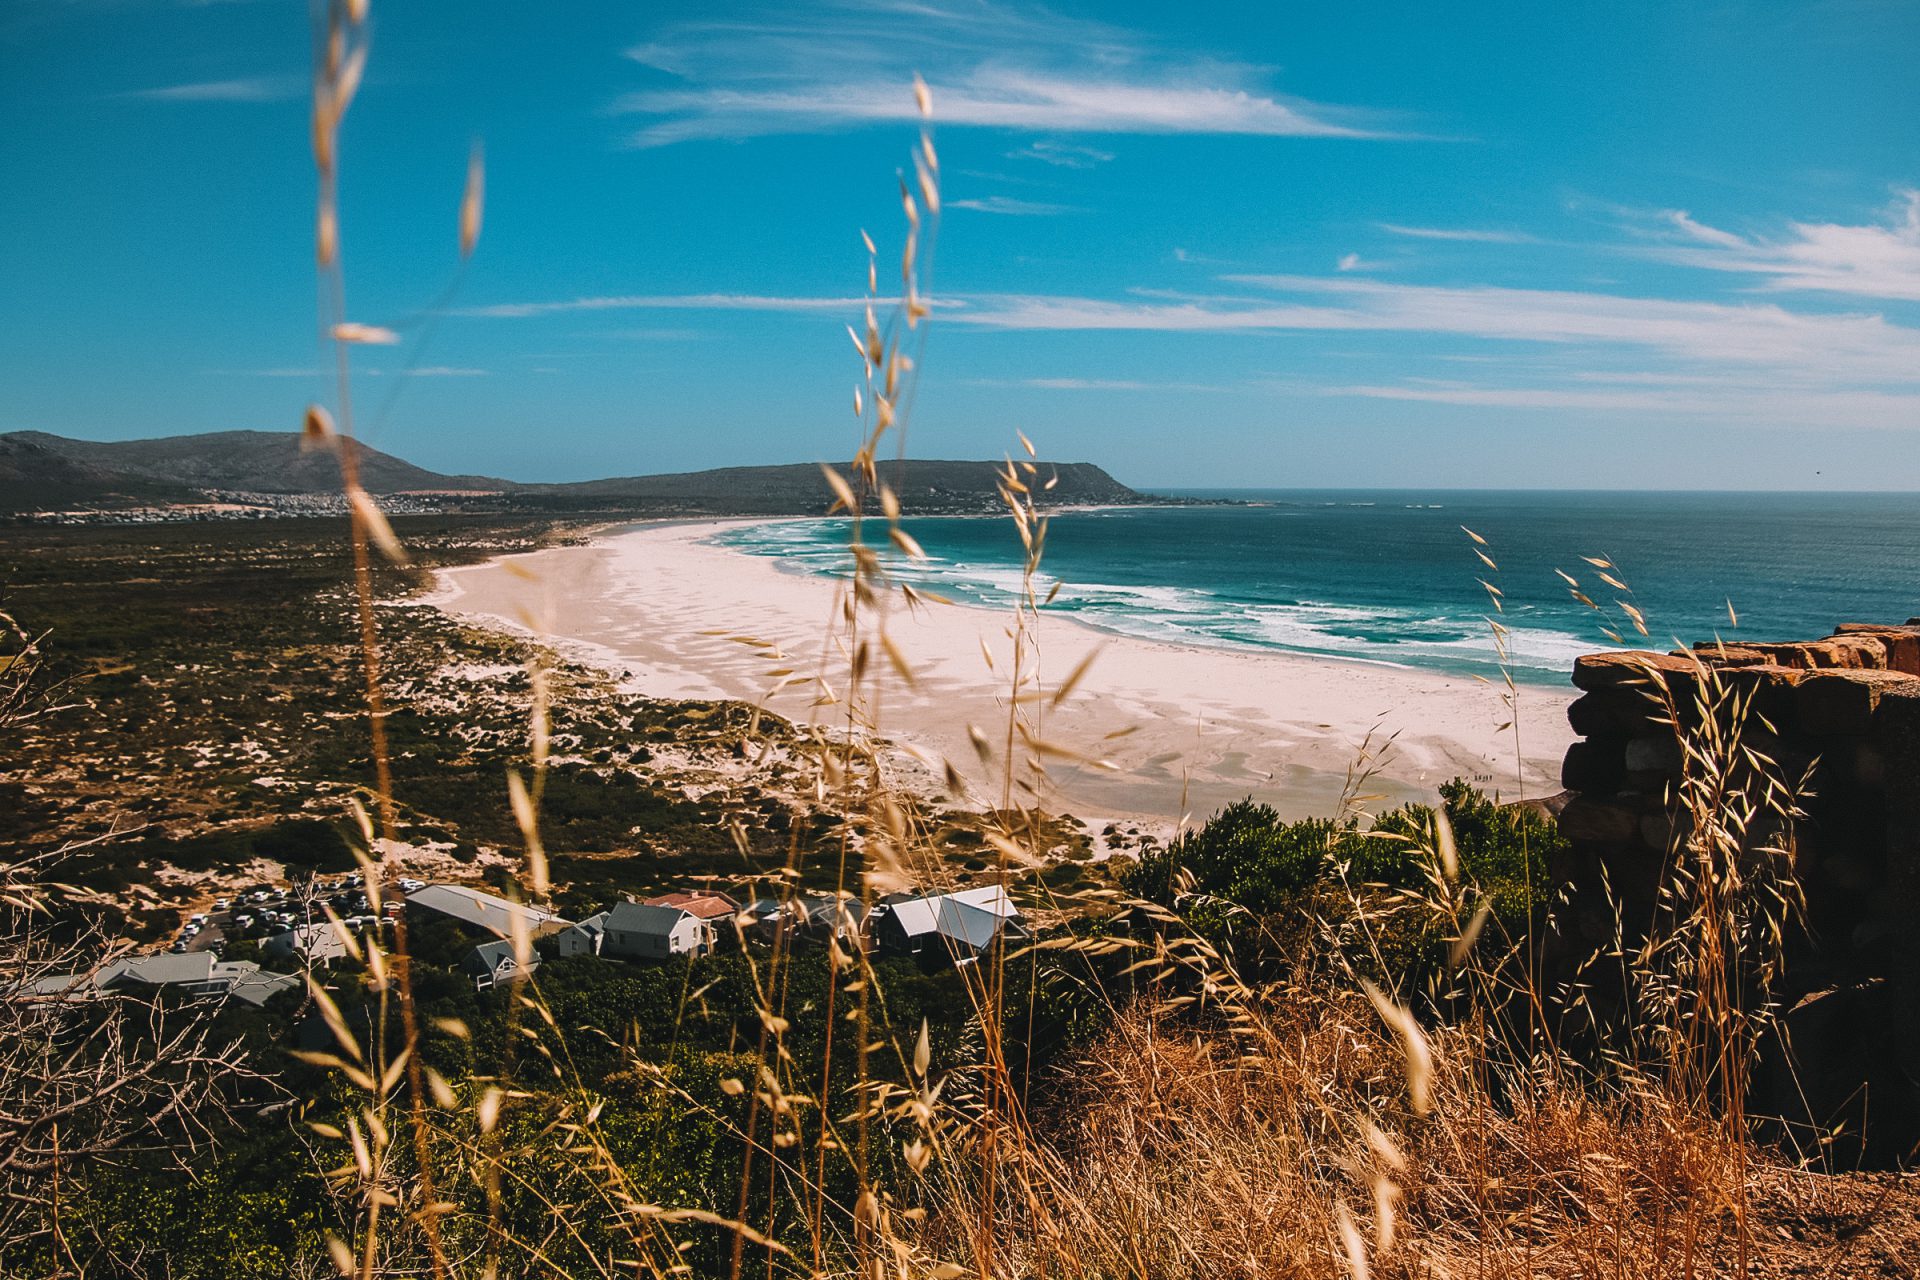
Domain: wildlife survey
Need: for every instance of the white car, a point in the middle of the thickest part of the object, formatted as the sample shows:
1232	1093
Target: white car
198	918
223	904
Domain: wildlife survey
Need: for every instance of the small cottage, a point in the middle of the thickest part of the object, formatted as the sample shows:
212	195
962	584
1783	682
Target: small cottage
643	931
492	963
583	938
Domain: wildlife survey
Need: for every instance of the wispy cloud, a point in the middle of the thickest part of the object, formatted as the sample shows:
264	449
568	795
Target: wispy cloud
988	66
1752	335
1062	155
1095	384
664	302
253	89
1011	206
1469	234
1857	346
1354	262
1871	260
1802	407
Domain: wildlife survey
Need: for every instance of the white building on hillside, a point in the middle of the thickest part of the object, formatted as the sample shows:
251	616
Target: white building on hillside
640	931
480	910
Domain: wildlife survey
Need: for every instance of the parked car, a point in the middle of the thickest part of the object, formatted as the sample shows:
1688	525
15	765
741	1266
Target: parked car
223	904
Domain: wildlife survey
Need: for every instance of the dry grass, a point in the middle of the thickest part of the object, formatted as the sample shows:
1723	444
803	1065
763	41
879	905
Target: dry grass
1314	1127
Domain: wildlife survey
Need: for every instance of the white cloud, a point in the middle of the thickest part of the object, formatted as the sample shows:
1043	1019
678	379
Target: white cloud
1681	219
1471	234
255	89
1062	155
664	302
1008	205
1747	335
988	66
1354	262
1872	260
1772	406
1094	384
1865	347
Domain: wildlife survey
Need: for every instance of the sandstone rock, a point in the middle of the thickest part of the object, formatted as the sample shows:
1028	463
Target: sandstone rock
1654	753
1719	654
1612	711
1902	643
1631	669
1598	821
1595	765
1843	702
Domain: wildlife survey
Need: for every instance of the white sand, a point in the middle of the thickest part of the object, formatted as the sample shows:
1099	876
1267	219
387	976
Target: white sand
1208	725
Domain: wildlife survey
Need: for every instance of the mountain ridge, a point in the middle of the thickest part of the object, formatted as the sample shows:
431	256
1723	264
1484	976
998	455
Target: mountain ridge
42	472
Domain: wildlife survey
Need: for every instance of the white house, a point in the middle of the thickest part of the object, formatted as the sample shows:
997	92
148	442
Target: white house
583	938
196	974
642	931
959	925
494	962
314	943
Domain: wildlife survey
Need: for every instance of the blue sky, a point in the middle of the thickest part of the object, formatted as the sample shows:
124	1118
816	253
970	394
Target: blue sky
1505	244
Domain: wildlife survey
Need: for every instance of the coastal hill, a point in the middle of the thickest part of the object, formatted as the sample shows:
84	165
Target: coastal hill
926	486
38	469
40	472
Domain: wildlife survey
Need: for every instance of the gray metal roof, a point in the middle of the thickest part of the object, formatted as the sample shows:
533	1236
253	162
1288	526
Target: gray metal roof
641	917
491	955
483	910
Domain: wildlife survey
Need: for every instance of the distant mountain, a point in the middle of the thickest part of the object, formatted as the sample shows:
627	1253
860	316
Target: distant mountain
172	467
42	472
923	485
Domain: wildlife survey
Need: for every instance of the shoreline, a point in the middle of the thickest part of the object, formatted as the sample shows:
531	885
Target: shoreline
1188	728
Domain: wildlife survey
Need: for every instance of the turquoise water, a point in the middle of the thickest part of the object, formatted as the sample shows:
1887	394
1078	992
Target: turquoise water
1389	576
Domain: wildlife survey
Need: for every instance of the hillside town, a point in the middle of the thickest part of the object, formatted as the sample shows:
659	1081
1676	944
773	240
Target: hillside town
313	925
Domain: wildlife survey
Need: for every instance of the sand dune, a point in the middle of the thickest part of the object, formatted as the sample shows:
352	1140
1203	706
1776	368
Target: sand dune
1187	729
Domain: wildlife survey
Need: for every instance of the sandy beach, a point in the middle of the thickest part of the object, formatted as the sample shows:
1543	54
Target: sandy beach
1186	729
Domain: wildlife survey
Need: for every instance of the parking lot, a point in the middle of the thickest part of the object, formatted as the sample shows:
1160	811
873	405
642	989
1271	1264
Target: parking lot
263	911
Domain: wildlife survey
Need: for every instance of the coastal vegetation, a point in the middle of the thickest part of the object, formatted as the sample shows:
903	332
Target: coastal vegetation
1265	1047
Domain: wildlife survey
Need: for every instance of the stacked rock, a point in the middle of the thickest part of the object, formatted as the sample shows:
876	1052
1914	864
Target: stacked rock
1842	712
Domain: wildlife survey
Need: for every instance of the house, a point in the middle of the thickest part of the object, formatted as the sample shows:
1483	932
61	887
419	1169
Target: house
706	904
484	912
192	974
957	925
805	915
306	944
643	931
491	963
717	910
584	937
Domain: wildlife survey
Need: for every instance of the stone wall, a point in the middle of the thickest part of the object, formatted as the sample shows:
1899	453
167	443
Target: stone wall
1847	709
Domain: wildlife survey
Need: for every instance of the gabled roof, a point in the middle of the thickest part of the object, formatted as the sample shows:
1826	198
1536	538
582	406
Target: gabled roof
241	979
642	917
484	910
992	897
256	986
494	956
161	970
594	925
703	904
970	918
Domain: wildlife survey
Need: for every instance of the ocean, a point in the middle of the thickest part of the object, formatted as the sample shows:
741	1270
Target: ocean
1390	576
